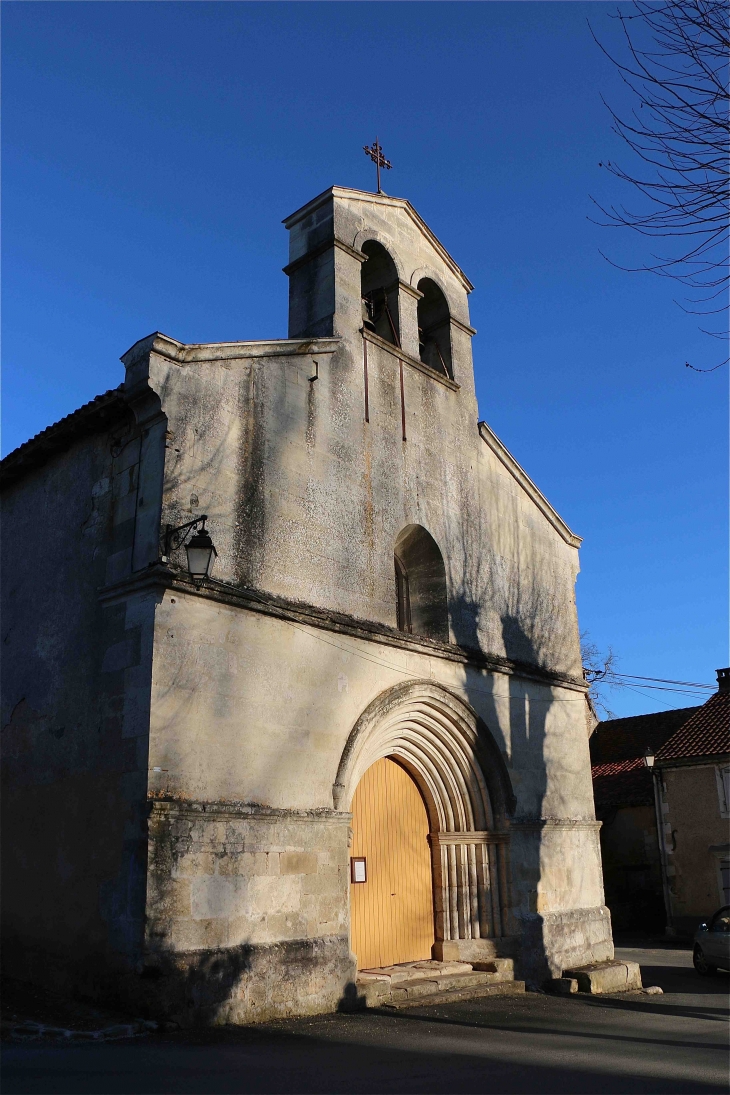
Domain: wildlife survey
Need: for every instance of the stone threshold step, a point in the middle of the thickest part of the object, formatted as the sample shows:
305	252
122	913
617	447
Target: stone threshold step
428	986
452	996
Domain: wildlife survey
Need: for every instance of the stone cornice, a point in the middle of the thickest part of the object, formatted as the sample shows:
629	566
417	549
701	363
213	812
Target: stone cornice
533	492
182	353
413	362
320	249
410	290
162	808
471	331
159	577
539	824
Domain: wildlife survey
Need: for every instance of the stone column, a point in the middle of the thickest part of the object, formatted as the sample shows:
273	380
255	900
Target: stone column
469	915
408	299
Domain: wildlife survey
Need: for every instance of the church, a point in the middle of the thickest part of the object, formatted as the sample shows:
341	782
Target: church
293	686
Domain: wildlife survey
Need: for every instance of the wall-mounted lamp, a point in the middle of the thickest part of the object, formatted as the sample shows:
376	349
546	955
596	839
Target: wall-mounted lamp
649	757
200	549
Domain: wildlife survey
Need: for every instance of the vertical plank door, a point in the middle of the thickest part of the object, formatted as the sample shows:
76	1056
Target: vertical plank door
391	914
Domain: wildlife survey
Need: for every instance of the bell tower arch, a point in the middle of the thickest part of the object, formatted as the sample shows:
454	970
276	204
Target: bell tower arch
343	240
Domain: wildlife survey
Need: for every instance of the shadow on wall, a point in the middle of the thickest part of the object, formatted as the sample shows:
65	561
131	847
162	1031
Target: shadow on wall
529	628
246	983
198	989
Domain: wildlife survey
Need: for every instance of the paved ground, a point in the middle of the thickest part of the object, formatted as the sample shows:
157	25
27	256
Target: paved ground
675	1043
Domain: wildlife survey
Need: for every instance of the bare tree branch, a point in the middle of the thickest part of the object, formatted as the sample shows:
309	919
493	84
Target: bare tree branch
598	670
676	64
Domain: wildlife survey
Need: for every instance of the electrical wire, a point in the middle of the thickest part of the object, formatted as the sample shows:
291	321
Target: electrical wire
664	680
657	688
652	698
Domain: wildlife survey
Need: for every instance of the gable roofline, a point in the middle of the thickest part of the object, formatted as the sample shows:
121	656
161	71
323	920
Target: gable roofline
93	417
345	193
705	734
530	489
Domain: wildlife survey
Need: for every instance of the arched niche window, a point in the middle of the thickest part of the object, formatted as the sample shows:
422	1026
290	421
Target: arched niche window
434	328
420	579
380	293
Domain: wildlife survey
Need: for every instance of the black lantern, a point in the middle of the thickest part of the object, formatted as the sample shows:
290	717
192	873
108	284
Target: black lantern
201	555
649	757
199	549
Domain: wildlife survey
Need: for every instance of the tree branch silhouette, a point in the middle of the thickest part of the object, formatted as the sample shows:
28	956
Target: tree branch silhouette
676	64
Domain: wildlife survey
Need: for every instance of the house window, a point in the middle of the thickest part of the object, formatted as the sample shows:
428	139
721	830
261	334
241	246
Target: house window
420	578
723	789
379	288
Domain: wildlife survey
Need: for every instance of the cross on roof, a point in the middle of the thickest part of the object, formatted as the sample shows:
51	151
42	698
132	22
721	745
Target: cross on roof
376	155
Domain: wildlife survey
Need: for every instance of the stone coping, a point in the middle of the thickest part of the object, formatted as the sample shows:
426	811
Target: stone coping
161	576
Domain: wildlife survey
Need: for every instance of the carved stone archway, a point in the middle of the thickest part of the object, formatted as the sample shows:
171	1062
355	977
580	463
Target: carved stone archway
454	759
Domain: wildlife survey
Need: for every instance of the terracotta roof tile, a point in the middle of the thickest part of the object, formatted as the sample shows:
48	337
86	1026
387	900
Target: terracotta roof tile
624	739
705	734
622	783
620	777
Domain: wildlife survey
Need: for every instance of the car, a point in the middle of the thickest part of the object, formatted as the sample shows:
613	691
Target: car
712	943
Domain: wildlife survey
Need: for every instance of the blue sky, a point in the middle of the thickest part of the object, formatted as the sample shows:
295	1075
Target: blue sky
151	151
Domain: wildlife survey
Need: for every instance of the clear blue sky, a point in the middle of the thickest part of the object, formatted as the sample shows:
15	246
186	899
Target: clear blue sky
152	149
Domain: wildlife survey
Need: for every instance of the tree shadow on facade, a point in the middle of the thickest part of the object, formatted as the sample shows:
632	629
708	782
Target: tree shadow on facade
247	983
504	608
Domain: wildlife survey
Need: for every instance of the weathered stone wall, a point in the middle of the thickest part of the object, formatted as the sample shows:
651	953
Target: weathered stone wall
76	685
692	826
306	500
246	911
254	709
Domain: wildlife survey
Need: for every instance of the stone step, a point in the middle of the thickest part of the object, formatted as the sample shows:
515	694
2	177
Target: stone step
428	970
608	976
411	981
452	996
416	971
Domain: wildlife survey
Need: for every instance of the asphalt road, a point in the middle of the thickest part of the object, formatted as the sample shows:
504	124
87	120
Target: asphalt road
611	1044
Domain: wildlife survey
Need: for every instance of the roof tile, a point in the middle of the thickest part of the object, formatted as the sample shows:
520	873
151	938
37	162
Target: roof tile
705	734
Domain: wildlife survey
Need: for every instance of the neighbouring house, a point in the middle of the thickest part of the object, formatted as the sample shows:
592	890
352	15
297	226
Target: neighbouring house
623	791
692	773
672	767
360	740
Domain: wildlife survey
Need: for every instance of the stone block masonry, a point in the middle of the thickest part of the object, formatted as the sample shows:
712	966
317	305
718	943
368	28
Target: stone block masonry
246	912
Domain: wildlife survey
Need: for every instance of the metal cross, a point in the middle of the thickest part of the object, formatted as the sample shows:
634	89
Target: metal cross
376	155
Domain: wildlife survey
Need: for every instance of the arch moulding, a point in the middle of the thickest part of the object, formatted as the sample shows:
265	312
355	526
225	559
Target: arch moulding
456	307
450	753
384	241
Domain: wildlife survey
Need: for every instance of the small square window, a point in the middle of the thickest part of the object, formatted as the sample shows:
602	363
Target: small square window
358	869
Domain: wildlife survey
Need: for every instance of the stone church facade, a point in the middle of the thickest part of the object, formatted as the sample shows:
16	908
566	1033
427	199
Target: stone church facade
181	758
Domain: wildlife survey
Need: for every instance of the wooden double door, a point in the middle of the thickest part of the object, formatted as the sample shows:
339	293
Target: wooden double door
391	912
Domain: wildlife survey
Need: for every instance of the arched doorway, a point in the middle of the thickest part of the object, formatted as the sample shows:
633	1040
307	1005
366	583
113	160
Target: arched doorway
438	739
391	891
